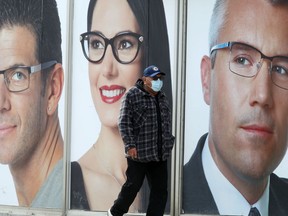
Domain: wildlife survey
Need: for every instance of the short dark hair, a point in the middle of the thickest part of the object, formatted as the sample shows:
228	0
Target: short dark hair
42	19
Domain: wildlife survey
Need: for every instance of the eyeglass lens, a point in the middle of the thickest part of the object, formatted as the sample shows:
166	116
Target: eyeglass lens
246	61
17	79
125	47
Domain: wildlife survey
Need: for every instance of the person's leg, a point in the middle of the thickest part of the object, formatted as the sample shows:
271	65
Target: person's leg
135	176
157	175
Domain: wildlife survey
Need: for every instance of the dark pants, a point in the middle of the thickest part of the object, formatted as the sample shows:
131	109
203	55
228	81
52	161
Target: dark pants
157	175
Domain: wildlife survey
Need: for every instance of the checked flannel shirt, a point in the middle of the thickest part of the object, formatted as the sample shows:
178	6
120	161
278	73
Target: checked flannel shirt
138	124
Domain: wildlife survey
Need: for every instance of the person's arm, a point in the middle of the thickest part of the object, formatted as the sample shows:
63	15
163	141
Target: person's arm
125	123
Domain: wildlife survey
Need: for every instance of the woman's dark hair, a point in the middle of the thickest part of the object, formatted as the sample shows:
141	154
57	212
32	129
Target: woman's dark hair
151	18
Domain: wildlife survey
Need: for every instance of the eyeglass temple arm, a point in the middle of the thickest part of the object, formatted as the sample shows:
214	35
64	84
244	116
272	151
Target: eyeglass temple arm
220	46
43	66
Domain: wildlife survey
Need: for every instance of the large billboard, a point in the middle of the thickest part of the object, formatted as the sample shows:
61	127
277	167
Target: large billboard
32	121
91	153
97	150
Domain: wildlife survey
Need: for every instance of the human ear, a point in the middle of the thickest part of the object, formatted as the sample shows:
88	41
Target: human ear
206	78
144	80
55	87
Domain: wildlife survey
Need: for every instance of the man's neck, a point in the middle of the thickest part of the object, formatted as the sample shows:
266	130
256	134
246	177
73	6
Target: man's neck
250	189
150	91
232	199
29	174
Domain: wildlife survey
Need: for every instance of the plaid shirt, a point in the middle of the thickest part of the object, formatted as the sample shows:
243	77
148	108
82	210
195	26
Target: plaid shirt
138	124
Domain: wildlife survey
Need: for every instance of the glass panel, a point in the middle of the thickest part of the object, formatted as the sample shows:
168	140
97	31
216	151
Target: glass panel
28	129
197	112
98	89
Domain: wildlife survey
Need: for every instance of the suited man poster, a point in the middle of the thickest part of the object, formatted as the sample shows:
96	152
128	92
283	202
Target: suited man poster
247	136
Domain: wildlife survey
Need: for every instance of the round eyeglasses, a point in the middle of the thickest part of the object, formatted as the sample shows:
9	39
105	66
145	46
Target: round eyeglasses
246	61
125	46
17	78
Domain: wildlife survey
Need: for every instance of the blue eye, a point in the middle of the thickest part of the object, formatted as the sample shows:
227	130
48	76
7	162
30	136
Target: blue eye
279	70
19	74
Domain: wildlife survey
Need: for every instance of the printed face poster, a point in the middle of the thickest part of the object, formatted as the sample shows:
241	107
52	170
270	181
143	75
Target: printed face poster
196	110
27	150
97	90
97	149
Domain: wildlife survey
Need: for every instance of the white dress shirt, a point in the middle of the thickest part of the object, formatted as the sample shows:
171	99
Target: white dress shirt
228	199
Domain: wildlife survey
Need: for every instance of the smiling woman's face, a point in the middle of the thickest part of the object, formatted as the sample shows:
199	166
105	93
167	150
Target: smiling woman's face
109	79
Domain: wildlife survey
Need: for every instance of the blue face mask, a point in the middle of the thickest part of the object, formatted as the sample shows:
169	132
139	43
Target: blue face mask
156	85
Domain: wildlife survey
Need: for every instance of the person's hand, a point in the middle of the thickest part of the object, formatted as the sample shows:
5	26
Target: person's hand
132	153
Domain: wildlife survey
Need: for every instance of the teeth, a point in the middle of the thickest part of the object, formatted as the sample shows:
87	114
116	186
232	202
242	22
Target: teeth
112	93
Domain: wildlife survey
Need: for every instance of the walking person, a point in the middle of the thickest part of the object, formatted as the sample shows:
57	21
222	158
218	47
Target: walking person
145	127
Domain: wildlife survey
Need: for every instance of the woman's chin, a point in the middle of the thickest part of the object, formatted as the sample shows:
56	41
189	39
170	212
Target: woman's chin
109	123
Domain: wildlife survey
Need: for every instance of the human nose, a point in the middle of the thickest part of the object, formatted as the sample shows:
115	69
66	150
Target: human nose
109	62
4	92
261	90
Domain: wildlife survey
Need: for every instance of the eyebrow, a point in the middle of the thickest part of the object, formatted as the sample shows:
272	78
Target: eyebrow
284	54
15	65
118	33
